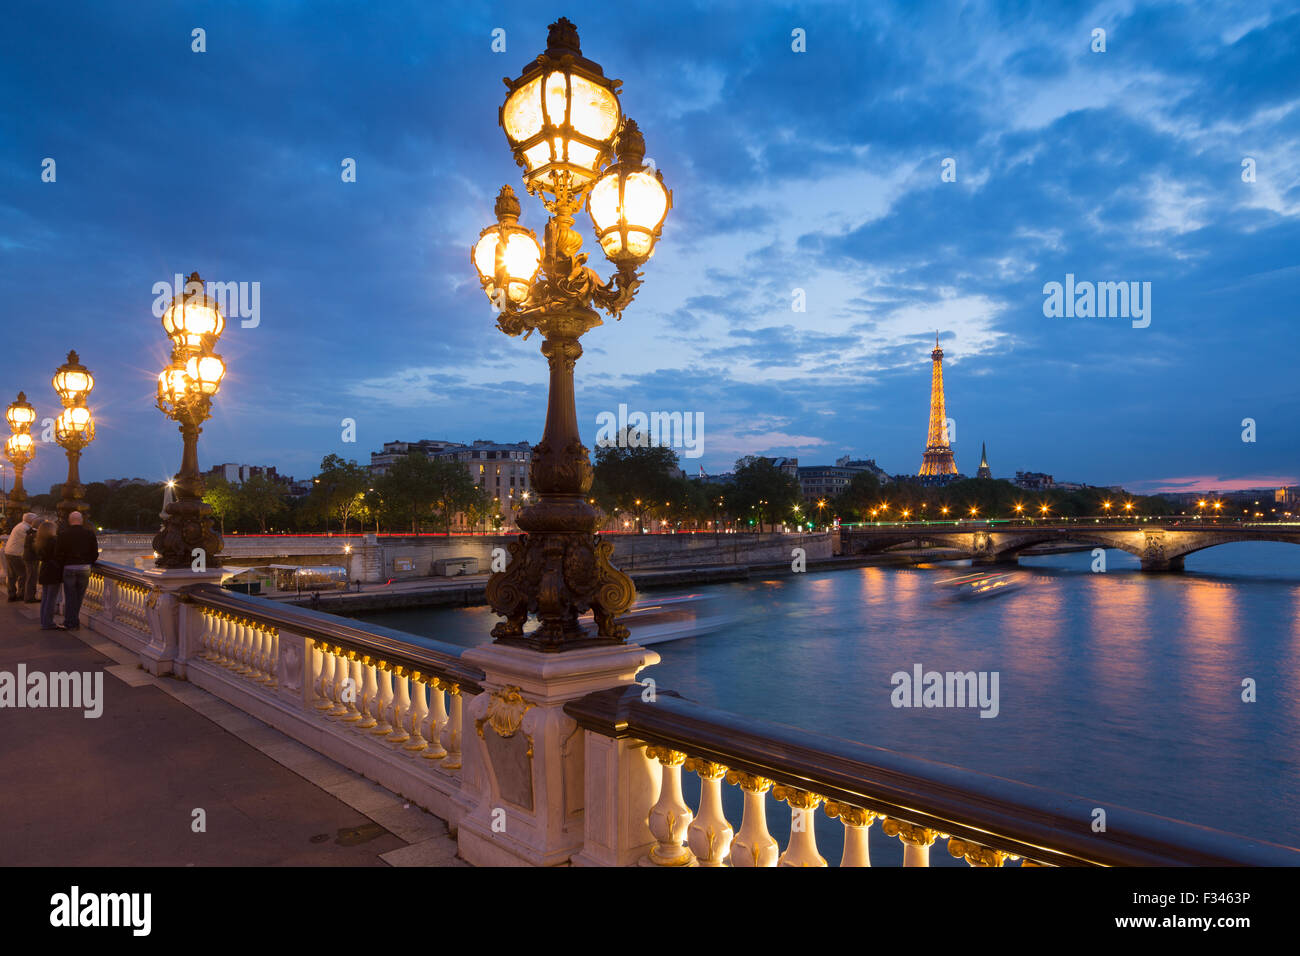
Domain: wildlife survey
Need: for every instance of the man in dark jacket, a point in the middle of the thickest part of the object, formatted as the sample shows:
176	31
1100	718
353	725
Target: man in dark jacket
77	550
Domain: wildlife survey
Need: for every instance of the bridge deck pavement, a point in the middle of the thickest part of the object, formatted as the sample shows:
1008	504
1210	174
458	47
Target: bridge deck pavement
120	789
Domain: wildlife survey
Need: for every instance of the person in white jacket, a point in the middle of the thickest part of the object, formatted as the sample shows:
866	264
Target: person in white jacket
15	566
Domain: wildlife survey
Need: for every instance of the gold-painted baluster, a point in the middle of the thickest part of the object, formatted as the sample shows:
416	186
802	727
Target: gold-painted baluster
857	823
753	845
670	816
419	713
437	720
916	840
802	848
709	836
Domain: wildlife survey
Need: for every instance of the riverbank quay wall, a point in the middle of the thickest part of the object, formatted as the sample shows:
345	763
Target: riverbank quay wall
371	558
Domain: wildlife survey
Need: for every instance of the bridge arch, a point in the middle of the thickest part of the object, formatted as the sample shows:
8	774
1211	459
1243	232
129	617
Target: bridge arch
1099	539
1221	538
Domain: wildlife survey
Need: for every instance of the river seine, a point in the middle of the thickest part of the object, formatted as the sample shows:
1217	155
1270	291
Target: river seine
1121	687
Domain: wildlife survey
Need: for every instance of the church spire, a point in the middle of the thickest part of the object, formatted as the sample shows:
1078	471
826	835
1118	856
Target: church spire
984	471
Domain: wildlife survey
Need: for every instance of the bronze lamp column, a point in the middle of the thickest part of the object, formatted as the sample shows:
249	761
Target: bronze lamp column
19	449
564	124
74	429
186	388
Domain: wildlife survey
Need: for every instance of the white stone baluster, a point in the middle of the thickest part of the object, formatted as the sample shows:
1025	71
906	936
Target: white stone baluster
437	721
271	660
339	683
753	845
222	646
419	714
401	707
369	693
802	848
670	816
239	657
916	840
857	823
451	732
709	836
261	662
323	659
353	688
256	635
384	704
208	639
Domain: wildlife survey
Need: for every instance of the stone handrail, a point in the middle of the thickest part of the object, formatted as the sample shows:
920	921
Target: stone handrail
438	659
987	820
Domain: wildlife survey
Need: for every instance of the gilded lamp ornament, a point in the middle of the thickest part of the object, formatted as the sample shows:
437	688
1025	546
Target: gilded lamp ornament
186	388
20	447
565	125
74	429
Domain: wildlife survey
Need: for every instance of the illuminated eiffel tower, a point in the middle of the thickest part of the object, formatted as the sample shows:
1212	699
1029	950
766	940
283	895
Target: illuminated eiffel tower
937	459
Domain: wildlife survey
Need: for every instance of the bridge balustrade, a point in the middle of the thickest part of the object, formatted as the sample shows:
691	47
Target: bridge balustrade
987	821
390	707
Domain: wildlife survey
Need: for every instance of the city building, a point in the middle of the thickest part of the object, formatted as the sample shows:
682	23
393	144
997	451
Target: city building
864	464
937	460
238	474
984	471
1034	481
817	482
380	461
501	470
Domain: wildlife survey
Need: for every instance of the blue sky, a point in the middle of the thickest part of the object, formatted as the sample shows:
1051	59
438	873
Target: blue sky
818	171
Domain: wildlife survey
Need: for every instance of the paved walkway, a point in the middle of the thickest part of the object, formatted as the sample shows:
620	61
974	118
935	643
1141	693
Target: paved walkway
121	789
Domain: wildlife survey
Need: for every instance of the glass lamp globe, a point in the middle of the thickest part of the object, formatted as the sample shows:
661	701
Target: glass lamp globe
629	203
75	423
20	447
73	381
205	373
173	385
561	114
20	414
193	317
507	255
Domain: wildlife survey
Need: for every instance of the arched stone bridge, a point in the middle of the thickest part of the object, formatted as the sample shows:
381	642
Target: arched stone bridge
1161	546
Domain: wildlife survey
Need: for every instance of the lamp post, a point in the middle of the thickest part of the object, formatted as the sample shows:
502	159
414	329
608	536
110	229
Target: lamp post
19	449
186	388
564	123
74	429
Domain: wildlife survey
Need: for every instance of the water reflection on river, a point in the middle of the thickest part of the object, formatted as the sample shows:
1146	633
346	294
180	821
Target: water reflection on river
1121	687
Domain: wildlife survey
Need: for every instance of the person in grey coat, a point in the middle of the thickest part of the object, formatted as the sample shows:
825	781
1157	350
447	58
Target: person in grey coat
15	566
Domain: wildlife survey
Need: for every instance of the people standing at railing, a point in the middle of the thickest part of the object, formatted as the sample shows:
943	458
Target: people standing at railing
15	565
77	549
50	575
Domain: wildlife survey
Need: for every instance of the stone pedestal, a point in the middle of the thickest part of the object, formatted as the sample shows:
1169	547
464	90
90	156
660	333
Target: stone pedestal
160	655
525	759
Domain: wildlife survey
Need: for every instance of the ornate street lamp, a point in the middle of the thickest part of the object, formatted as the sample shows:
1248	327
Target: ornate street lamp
186	388
74	429
564	124
19	449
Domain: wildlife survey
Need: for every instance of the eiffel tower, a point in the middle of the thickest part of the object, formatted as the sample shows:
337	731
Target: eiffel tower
937	459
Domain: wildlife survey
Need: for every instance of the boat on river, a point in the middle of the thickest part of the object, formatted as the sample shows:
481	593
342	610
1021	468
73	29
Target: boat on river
982	584
654	619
